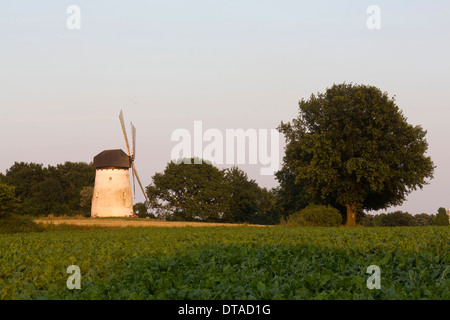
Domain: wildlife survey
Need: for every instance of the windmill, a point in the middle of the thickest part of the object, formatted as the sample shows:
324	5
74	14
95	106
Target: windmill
112	190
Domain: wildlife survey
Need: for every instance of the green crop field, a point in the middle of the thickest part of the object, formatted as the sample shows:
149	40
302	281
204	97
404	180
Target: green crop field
228	263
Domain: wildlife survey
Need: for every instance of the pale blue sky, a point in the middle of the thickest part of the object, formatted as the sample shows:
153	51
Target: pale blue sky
232	64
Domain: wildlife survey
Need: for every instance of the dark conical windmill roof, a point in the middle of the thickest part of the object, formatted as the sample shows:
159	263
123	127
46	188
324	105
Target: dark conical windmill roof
112	158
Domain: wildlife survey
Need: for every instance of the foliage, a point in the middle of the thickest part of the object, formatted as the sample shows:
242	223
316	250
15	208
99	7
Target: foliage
289	195
9	203
441	219
141	210
228	263
247	201
315	216
267	209
18	224
189	192
86	195
243	196
392	219
23	176
353	146
197	190
50	190
423	219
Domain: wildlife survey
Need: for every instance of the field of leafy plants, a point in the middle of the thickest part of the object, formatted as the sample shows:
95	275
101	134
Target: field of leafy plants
228	263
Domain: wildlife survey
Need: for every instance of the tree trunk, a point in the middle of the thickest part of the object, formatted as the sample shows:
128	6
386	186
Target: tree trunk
351	215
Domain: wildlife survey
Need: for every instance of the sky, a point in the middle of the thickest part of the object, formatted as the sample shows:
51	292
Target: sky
228	63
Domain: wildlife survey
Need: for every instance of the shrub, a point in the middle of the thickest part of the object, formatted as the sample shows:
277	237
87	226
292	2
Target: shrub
315	216
18	224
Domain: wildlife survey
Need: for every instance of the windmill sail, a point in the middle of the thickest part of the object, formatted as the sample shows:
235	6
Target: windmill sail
139	180
133	141
134	181
132	154
122	122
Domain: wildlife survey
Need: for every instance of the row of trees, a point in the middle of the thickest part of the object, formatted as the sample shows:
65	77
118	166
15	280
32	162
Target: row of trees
54	190
183	192
323	216
204	192
400	218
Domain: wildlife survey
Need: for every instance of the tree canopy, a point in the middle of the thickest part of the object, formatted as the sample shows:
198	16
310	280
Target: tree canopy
196	190
352	146
189	192
289	195
52	189
248	202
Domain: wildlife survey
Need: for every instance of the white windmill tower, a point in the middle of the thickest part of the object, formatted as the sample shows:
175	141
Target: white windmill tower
112	189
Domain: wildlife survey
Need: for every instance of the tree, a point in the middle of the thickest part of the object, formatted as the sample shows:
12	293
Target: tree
243	197
9	203
423	219
23	176
48	198
392	219
86	195
50	189
73	177
441	218
353	146
189	192
248	202
289	195
267	208
397	219
141	210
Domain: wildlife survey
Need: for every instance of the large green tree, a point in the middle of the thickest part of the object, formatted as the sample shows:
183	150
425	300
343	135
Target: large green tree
248	202
243	196
203	192
189	192
352	145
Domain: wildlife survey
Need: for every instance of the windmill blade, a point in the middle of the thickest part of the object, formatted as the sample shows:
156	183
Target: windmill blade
133	142
122	122
139	180
134	182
